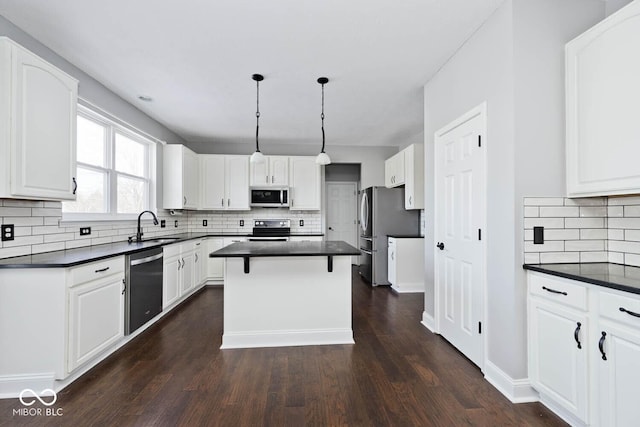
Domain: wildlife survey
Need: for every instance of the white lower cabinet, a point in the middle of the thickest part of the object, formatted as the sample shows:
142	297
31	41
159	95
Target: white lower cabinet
405	264
584	350
171	279
180	271
215	266
96	310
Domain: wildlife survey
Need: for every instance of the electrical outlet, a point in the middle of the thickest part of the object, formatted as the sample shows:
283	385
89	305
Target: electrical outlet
7	232
242	223
538	235
302	223
204	222
175	223
85	231
163	223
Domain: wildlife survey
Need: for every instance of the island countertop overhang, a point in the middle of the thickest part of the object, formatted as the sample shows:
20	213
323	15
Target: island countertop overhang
285	249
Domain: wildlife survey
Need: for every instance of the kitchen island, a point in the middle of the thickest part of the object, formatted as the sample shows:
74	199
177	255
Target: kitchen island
287	293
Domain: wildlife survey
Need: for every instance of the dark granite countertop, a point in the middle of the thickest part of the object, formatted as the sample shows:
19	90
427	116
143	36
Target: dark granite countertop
83	255
280	249
405	236
615	276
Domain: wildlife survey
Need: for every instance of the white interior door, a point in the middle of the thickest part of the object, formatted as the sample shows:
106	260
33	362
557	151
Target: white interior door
459	225
342	217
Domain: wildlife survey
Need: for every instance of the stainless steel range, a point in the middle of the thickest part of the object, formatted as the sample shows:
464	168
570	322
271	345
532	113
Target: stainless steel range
270	230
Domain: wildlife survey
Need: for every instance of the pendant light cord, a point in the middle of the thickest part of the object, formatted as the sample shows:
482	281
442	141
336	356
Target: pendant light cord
322	118
257	113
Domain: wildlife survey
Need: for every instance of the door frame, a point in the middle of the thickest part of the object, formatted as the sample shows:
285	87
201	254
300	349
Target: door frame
355	260
480	110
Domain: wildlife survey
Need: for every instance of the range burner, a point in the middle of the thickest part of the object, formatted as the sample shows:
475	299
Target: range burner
271	230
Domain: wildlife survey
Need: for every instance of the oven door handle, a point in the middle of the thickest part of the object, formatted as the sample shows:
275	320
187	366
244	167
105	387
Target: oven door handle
366	251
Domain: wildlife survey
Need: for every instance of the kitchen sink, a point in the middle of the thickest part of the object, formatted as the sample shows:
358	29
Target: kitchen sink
161	240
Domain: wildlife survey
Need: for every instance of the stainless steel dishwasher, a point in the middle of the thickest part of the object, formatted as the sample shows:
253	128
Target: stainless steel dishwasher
143	297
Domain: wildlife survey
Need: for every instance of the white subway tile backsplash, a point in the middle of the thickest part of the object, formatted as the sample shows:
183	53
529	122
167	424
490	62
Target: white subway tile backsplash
593	211
559	257
532	258
590	201
547	246
593	234
623	200
47	247
21	211
632	211
594	256
59	237
615	211
543	201
531	211
584	245
22	203
14	251
563	234
623	246
544	222
23	220
584	222
615	234
632	259
555	212
23	241
46	212
633	223
616	257
631	235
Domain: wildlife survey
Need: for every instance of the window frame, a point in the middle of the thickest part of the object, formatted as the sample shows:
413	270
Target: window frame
112	129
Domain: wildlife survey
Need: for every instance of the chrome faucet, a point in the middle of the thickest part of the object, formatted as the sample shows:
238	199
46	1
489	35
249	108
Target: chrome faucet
139	233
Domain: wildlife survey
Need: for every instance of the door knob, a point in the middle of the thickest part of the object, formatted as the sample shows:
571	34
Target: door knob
440	246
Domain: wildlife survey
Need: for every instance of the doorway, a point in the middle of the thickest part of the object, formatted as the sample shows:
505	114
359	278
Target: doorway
459	225
341	190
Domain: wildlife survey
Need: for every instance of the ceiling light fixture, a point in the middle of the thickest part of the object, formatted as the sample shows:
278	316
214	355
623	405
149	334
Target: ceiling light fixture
257	157
323	158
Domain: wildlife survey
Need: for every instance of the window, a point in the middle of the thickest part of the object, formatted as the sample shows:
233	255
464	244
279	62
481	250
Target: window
114	170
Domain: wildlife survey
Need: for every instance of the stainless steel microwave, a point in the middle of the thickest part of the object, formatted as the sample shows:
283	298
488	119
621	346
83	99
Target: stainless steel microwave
270	197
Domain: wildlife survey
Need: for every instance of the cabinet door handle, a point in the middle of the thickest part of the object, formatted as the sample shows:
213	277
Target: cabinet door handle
179	265
222	202
393	256
124	286
409	199
182	262
272	179
75	185
266	179
631	313
228	202
553	291
196	258
601	345
102	270
577	333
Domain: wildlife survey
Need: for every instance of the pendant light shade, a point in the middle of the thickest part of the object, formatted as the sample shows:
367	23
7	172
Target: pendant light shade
257	156
323	158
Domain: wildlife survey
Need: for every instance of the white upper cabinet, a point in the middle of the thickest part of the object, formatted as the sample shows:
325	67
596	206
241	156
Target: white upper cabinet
224	182
394	170
180	189
305	180
274	171
38	132
602	93
407	168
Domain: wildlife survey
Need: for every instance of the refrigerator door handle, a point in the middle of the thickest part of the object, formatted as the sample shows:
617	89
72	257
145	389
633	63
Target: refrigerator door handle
364	212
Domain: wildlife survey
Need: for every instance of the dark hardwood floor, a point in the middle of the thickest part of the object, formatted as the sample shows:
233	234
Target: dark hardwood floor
397	374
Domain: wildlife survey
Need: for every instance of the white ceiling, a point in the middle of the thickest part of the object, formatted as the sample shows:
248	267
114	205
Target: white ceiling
195	59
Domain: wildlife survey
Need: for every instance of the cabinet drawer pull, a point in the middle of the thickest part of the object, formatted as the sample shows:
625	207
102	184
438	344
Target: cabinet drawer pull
577	333
222	202
75	185
553	291
124	286
601	345
631	313
102	270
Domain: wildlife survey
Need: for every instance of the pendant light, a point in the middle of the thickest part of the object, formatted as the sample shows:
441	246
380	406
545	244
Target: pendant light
257	157
323	158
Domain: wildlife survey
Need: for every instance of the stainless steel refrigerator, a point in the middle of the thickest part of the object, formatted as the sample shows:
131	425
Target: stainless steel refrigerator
382	213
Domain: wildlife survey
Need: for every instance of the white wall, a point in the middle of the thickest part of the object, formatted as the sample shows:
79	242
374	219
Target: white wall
514	62
613	5
371	159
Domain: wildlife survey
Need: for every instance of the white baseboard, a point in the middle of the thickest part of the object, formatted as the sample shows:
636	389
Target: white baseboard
408	289
12	385
428	322
517	391
561	412
287	338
